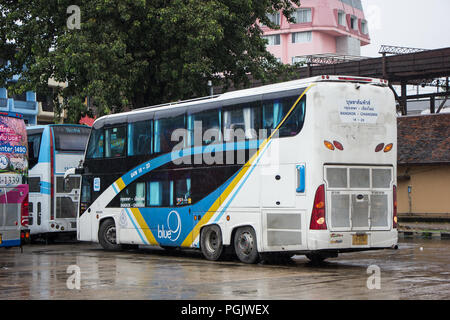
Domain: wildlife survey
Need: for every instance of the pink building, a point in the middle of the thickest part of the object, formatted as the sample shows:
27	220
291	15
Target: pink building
322	26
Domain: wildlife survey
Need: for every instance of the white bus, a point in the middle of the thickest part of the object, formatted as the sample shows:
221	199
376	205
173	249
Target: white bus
52	150
13	174
312	171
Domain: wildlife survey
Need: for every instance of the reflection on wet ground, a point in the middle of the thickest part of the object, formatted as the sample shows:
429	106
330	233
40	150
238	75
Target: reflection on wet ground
420	269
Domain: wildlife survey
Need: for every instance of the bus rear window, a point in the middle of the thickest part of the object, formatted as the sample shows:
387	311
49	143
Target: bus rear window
70	138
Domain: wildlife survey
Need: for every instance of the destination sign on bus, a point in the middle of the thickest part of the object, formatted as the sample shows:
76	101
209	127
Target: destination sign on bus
358	111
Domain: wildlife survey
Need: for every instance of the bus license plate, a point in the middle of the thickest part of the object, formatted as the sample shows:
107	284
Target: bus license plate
360	240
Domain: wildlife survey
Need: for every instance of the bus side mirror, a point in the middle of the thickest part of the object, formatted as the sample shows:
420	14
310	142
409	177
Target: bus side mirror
67	175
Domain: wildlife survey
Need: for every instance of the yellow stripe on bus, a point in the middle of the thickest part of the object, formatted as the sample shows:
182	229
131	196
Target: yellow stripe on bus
143	226
120	184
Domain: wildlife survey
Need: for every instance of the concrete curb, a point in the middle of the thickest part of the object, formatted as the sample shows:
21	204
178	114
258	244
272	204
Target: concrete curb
424	234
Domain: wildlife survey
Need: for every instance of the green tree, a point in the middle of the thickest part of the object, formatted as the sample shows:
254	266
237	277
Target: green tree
133	53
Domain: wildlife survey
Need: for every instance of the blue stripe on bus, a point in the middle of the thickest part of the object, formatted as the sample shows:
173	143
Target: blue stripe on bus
168	157
10	243
45	187
44	151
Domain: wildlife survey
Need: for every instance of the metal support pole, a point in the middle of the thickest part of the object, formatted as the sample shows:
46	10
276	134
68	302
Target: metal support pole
210	88
432	104
404	98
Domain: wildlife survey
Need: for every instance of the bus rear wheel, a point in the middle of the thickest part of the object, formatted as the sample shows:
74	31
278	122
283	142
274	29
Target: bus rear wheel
211	242
107	235
245	245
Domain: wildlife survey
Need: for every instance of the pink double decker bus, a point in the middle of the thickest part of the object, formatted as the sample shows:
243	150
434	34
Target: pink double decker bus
13	174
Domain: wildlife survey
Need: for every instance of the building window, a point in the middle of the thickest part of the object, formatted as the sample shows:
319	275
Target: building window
341	18
273	40
302	16
354	23
301	37
274	18
364	28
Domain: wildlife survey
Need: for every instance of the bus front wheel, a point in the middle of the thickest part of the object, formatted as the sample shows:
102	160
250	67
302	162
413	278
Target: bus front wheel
245	245
211	242
107	235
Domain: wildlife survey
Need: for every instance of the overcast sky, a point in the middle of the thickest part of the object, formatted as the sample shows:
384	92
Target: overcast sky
407	23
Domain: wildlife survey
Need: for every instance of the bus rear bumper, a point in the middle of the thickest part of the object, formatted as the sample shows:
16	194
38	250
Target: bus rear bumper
351	240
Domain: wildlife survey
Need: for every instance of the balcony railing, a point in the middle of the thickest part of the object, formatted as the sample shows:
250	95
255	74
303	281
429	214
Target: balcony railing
27	105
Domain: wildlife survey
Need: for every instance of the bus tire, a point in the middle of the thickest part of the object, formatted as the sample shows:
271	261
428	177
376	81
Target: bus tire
211	242
107	235
245	245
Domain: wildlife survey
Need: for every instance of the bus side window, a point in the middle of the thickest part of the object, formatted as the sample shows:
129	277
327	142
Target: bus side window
86	189
34	184
115	141
140	138
133	196
209	121
241	122
294	122
275	110
163	129
34	145
159	193
182	189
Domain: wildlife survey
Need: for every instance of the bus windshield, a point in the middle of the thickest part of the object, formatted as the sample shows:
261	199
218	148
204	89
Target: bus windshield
70	138
13	150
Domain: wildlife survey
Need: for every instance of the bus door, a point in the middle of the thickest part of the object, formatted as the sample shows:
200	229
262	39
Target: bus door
66	199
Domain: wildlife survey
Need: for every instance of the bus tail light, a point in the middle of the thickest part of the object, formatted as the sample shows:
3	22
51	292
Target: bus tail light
318	212
388	147
328	145
379	147
394	222
24	212
338	145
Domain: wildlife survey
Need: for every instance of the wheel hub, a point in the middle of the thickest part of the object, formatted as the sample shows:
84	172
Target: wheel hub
213	241
110	235
246	243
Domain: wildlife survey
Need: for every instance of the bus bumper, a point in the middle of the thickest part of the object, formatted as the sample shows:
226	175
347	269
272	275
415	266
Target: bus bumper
351	240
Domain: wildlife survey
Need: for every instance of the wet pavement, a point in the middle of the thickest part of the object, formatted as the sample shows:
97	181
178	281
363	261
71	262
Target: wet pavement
420	269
